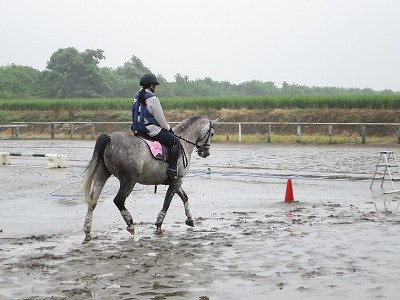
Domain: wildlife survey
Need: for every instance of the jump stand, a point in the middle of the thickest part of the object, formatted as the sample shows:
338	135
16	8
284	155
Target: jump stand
388	161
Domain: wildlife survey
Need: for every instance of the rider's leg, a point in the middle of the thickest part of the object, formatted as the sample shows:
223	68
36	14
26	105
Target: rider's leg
173	161
171	141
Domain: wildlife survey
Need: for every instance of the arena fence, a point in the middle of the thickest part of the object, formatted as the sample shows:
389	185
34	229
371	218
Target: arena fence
90	130
14	127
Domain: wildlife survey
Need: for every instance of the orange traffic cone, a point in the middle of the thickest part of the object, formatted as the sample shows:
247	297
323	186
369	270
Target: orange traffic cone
289	191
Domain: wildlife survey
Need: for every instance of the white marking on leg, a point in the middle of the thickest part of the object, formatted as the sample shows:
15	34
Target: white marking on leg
161	216
88	223
187	211
128	220
127	216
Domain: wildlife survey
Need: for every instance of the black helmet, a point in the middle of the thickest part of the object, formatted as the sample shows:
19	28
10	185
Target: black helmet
148	79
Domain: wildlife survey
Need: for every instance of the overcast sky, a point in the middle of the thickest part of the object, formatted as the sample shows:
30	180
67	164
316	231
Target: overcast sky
343	43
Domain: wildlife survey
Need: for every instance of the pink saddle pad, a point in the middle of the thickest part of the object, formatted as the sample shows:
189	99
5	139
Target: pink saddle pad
157	149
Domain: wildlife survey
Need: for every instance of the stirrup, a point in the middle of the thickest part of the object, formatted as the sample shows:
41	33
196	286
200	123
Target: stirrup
172	173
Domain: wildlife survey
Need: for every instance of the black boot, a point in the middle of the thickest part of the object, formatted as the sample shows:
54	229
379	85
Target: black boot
173	161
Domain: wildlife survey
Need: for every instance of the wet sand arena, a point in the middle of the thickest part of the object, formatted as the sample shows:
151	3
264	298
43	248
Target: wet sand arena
341	240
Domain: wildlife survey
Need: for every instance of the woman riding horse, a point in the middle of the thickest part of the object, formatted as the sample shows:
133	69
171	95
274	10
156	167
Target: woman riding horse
149	120
128	158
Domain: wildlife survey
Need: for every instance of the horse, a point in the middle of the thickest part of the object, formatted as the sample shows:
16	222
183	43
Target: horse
128	158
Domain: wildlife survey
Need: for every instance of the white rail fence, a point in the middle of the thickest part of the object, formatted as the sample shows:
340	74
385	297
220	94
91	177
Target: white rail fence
14	127
84	129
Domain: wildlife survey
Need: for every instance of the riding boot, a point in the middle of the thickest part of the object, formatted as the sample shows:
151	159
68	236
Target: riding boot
173	161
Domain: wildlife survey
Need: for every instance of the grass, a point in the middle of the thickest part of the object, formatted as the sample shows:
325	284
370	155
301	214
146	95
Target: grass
300	102
305	139
380	101
233	138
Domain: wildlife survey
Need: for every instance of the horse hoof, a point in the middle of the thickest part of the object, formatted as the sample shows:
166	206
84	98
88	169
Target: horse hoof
189	223
131	230
87	239
158	230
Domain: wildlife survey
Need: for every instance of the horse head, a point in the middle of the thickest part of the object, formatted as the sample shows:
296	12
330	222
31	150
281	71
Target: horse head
204	140
197	131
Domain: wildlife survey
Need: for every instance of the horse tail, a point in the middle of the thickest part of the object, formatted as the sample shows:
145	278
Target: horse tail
98	156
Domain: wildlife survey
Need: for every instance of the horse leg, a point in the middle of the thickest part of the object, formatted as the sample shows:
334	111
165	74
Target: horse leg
184	197
167	201
124	190
99	181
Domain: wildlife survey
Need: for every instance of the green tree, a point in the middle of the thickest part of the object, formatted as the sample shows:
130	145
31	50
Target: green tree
133	69
71	73
166	89
129	75
256	87
19	82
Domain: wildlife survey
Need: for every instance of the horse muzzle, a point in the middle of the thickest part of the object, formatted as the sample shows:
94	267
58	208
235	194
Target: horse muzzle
203	153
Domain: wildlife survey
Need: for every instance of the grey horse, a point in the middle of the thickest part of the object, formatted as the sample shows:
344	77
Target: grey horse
128	158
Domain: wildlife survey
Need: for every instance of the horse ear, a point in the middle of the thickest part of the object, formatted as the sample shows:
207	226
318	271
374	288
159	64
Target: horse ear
213	122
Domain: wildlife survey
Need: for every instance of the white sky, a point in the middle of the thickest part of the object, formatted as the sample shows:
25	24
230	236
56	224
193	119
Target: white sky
343	43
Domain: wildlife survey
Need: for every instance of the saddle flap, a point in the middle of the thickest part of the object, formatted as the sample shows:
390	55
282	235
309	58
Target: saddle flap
158	150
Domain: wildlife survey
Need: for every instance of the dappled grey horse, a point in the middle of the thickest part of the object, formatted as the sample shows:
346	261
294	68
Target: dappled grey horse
128	158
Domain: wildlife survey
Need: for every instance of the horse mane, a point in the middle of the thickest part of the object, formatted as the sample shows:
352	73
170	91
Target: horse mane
187	123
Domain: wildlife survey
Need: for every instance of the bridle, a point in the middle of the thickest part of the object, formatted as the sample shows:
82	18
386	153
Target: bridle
202	147
199	148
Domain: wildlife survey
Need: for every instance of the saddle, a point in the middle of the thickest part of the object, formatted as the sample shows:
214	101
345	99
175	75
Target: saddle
158	150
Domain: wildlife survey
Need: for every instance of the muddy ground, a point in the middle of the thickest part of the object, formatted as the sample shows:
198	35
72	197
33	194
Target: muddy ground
338	240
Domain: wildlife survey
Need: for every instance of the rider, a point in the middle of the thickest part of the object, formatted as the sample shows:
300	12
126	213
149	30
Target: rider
148	119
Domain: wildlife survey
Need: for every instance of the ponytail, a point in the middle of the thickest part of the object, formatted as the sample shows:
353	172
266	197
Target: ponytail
142	99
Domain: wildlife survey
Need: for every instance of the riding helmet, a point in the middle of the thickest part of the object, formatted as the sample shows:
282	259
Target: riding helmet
148	79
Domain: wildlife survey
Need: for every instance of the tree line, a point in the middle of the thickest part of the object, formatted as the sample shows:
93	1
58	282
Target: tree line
73	74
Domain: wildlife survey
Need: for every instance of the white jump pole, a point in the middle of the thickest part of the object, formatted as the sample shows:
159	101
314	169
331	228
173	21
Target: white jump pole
55	160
